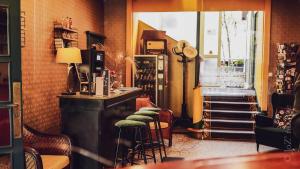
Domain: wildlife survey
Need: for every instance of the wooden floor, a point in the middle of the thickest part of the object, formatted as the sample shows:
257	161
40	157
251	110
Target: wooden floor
188	148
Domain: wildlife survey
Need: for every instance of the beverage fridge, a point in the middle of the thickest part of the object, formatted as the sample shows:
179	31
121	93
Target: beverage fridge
151	75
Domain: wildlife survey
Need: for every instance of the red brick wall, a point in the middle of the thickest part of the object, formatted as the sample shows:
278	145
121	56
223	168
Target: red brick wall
115	31
285	27
43	79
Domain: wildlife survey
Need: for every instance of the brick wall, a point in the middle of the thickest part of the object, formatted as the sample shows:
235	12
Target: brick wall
285	27
43	79
115	31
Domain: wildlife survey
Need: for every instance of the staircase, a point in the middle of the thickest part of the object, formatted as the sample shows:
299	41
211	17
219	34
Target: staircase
229	117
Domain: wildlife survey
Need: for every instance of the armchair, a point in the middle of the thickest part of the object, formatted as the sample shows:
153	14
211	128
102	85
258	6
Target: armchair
46	151
267	133
295	126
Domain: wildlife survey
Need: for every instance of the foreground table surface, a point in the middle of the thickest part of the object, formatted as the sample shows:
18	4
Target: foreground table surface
260	161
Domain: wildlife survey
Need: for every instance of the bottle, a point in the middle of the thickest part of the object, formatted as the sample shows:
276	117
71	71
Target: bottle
70	23
66	22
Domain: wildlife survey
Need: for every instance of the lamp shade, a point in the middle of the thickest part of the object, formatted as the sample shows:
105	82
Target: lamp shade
68	55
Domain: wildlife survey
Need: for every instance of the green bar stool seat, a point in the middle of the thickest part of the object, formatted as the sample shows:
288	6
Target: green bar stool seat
156	109
146	113
140	118
147	120
157	126
122	126
129	123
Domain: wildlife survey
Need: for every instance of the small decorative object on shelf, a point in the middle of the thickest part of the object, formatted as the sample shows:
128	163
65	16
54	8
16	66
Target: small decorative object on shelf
286	67
64	34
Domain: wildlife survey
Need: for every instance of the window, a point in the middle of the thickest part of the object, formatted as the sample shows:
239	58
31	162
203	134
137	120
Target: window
178	25
211	33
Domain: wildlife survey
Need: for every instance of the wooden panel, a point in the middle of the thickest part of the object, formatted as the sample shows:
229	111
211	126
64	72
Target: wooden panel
233	5
266	55
129	42
196	5
4	127
17	110
259	57
261	161
4	44
4	81
166	5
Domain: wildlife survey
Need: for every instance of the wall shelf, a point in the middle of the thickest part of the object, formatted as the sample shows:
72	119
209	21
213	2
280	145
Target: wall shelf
64	37
60	27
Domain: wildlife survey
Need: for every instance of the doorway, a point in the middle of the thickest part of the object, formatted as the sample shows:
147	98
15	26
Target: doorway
11	146
227	46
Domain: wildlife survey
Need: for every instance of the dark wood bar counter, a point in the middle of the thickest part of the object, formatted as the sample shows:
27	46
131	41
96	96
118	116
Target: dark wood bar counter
89	122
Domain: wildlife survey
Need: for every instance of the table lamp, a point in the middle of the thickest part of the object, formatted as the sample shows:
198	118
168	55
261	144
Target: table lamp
68	56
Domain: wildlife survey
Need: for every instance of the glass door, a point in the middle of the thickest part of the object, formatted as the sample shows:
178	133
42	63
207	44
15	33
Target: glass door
210	43
227	42
11	148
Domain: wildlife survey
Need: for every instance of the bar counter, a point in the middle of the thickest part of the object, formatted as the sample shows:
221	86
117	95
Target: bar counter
89	122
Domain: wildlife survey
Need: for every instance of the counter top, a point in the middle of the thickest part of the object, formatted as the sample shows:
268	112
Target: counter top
113	94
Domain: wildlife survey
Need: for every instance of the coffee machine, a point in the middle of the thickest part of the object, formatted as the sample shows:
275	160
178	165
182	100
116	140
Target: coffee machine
93	65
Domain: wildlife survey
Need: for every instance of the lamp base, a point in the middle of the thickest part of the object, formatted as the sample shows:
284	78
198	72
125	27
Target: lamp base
68	93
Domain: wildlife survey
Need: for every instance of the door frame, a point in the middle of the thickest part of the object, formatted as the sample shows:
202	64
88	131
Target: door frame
14	60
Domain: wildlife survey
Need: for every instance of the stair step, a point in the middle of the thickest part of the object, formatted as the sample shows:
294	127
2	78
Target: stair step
228	98
229	124
232	111
230	121
230	116
228	131
230	134
230	128
227	102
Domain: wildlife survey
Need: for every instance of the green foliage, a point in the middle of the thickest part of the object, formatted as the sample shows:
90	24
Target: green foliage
239	62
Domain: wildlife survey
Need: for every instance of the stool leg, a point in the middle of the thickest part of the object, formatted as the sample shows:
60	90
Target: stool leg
133	147
142	146
162	138
117	151
158	139
151	142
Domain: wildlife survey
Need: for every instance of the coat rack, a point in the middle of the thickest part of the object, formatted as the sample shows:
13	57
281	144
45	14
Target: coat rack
187	54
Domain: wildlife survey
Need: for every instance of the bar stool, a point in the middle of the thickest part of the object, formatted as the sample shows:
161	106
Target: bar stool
156	109
126	125
157	126
147	120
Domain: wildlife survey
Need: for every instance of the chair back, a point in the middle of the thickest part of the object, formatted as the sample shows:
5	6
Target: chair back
143	102
280	101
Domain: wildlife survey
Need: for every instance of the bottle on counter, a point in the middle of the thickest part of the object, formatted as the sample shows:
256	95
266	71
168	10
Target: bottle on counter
70	23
